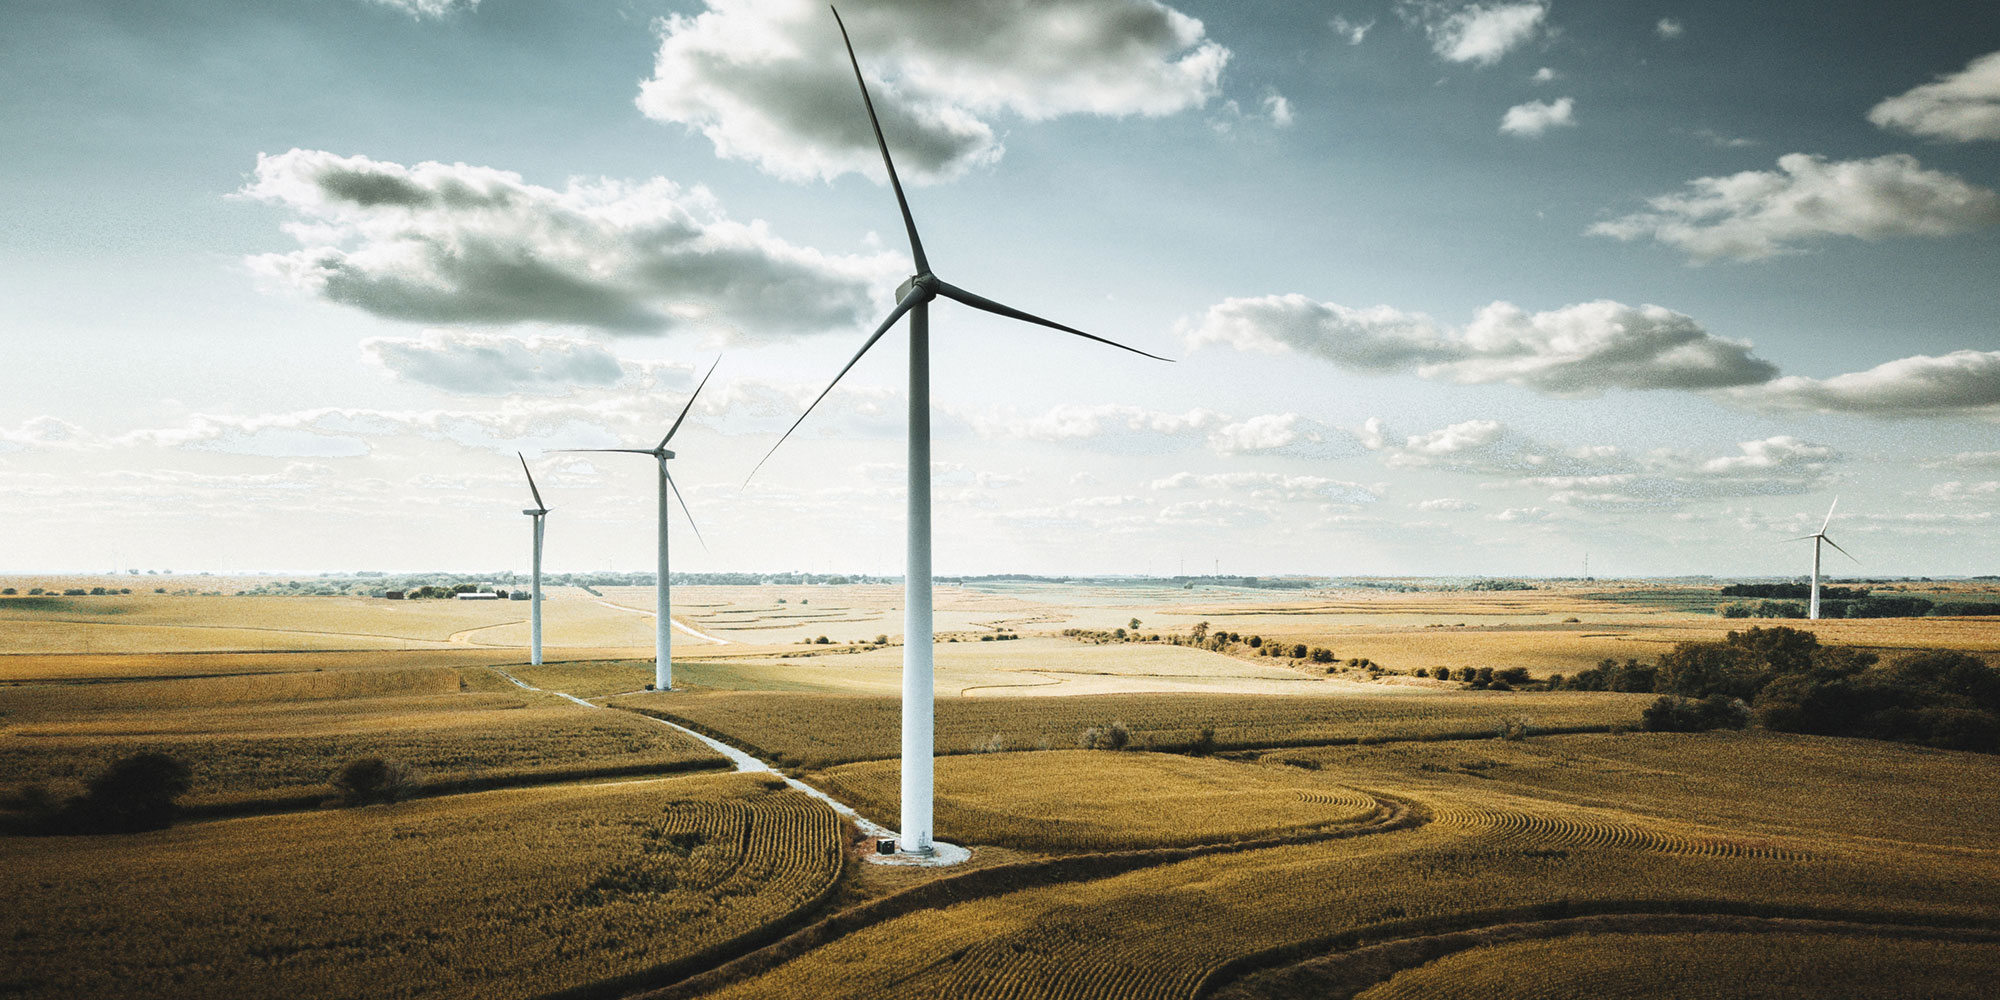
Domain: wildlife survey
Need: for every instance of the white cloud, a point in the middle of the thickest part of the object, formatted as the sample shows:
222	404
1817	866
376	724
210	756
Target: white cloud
1524	515
489	364
1602	476
1447	503
1962	107
454	243
49	432
1756	214
1669	28
1271	486
1545	75
1959	383
1536	117
1277	109
1578	350
421	9
1353	32
1076	421
1959	492
767	81
1264	432
1478	33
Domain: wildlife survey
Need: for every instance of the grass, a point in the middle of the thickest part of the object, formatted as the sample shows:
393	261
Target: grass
816	730
500	894
1085	800
1719	966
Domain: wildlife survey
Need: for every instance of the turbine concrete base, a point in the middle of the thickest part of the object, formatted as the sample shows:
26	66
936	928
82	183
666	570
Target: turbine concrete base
942	855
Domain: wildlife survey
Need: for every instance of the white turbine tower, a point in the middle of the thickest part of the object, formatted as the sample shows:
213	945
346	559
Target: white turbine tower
663	642
1812	610
913	297
539	512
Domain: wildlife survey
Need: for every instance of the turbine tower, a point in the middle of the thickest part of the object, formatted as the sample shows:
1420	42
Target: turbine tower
539	512
1812	610
913	298
663	642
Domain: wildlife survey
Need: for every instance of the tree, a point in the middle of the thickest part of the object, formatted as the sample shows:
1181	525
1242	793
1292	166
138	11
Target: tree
137	792
372	779
1200	632
1298	651
1133	624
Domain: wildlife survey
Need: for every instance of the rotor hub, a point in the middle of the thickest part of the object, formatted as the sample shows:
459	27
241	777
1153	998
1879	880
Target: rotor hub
926	281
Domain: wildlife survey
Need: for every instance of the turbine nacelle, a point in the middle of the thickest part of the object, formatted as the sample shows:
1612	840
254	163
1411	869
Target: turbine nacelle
927	281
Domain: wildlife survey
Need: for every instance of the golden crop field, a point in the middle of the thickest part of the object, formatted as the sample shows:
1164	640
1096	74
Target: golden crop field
1090	800
499	894
1331	825
1163	931
1721	966
280	737
816	730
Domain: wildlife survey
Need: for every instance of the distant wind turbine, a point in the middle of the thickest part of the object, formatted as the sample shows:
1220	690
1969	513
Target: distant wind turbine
913	297
539	512
663	642
1812	611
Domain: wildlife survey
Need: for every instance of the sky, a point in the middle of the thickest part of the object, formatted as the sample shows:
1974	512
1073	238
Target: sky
1450	288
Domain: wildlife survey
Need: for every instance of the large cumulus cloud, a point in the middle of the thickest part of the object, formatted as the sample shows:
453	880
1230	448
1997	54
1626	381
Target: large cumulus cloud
1577	350
1762	213
452	243
767	81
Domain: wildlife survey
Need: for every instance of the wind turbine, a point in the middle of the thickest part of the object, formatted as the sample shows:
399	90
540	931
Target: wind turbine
913	298
539	512
663	642
1812	610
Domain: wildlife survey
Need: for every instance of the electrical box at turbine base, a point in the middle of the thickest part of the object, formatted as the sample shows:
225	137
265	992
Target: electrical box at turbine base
885	847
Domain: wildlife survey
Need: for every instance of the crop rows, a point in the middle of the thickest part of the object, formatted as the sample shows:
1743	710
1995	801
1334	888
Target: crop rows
1080	800
819	730
1521	825
499	894
1737	966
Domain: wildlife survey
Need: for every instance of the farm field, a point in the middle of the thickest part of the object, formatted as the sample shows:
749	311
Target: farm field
278	737
1271	827
499	894
1739	966
1083	800
815	730
1165	930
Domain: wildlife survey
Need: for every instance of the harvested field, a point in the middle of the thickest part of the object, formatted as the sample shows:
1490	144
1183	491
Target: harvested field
1725	966
814	730
280	737
1086	800
1164	930
499	894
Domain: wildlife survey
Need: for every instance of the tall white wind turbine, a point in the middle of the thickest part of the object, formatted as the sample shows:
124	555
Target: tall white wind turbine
913	298
663	641
1812	610
540	511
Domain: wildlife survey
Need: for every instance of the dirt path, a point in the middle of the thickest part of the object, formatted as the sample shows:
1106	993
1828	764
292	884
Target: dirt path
947	854
678	624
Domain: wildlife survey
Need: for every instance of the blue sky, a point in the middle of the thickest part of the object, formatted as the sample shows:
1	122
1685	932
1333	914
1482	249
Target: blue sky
1455	288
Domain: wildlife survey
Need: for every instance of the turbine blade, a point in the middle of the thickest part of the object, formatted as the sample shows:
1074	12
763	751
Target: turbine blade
621	451
689	406
684	506
1837	548
539	505
915	295
1802	538
952	291
1829	515
909	223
